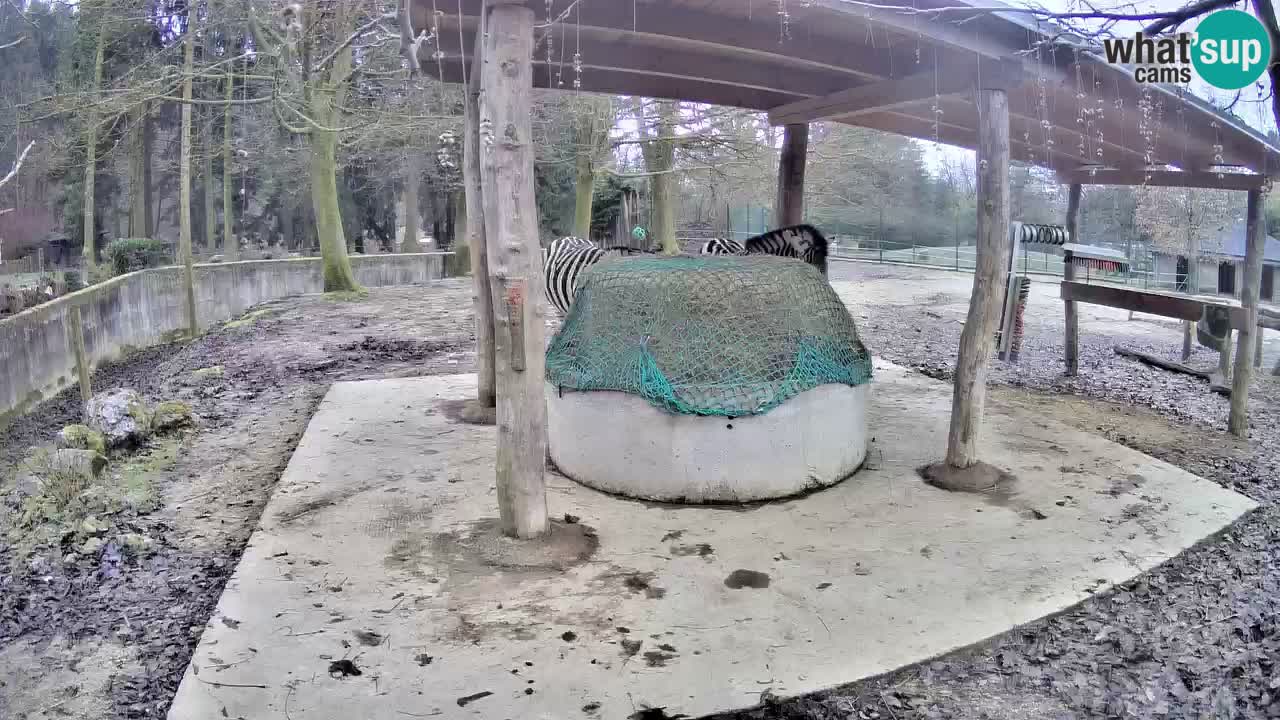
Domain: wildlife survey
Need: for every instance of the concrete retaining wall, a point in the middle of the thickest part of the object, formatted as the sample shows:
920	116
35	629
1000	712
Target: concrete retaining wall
147	307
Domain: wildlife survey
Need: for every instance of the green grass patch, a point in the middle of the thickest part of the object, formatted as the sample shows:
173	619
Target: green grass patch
71	508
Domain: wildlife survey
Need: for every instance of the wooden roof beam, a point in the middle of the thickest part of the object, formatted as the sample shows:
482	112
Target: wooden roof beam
1164	178
888	94
680	61
622	82
696	27
957	135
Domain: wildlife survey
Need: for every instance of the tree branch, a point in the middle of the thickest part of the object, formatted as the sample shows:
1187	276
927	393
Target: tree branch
1267	13
17	166
21	39
352	38
1185	14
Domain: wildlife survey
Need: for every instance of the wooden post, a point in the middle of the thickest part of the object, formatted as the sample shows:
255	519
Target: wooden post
1224	358
1238	421
1072	340
515	257
75	331
482	295
993	239
1257	349
788	208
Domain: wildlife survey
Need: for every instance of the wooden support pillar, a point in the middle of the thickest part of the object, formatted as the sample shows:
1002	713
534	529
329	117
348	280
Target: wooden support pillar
1072	340
1224	358
482	296
788	208
515	266
977	339
1255	238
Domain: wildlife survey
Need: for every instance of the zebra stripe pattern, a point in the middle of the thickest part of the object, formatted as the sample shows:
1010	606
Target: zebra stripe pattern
796	241
723	246
562	262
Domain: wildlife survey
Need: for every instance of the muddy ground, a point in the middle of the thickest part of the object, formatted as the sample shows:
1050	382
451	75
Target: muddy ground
109	636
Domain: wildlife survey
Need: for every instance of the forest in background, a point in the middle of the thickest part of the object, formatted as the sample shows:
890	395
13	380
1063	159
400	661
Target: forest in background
252	129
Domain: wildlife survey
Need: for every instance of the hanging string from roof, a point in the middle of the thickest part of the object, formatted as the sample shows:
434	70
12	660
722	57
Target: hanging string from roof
577	49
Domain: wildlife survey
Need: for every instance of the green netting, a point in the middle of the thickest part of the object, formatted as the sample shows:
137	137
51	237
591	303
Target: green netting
729	336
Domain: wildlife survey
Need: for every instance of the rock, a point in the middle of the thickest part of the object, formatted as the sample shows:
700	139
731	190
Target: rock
170	415
121	416
26	485
135	543
90	546
92	526
215	259
82	437
210	373
87	463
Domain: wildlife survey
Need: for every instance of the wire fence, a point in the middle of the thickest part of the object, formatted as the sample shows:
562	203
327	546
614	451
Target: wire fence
1142	271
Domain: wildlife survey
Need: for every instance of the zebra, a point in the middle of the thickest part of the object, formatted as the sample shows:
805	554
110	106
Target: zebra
798	241
723	246
564	260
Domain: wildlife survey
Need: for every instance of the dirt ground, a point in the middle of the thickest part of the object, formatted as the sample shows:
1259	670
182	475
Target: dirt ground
109	636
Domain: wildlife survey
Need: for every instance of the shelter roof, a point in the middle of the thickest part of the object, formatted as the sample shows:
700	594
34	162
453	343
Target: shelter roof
886	66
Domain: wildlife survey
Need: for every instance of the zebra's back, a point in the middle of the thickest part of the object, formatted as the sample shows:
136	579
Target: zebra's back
562	263
722	246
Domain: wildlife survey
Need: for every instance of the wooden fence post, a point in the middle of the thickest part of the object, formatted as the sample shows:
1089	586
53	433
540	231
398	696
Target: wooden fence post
75	330
515	266
1072	340
1255	231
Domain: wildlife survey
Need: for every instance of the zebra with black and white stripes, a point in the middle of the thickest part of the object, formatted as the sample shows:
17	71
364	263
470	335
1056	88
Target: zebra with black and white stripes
804	242
564	261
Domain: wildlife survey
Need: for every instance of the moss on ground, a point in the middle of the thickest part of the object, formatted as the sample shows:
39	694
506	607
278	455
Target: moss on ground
250	318
347	295
72	509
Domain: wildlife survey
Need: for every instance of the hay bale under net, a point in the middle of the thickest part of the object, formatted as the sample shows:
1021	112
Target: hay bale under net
714	336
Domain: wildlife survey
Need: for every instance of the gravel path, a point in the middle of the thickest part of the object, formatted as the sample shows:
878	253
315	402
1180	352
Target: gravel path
1198	637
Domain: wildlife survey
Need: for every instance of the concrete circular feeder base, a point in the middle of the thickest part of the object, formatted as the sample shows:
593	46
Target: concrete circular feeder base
620	443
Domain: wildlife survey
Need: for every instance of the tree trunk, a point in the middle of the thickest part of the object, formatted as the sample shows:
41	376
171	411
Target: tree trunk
286	225
515	263
976	340
230	244
412	181
789	205
210	212
138	210
659	156
583	189
184	183
477	243
148	200
91	156
326	99
1256	234
458	264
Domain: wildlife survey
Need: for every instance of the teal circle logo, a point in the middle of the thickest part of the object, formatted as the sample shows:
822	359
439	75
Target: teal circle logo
1232	49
